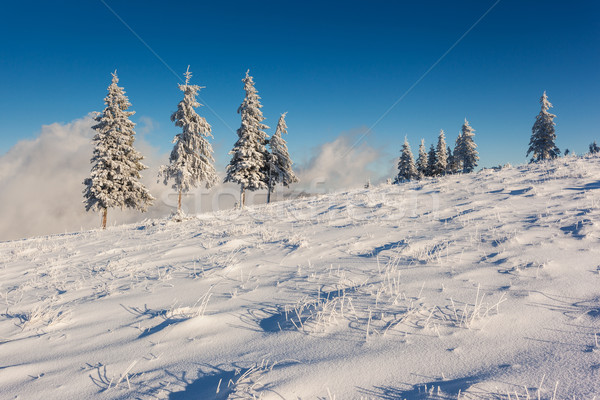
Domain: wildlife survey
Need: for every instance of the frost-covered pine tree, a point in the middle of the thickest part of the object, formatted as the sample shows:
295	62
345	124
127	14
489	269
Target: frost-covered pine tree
441	155
431	161
457	159
191	161
421	163
451	167
466	148
280	163
248	166
115	175
406	165
543	135
594	149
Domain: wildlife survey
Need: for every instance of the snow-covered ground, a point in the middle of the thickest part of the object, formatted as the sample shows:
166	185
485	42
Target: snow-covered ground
480	286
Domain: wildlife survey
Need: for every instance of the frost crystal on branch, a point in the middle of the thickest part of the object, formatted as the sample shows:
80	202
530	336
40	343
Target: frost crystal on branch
191	161
541	144
115	175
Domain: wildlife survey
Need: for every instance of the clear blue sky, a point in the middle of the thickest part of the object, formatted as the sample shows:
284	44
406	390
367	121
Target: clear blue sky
333	67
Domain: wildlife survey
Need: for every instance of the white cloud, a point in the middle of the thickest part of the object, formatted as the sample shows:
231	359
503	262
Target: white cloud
146	125
344	163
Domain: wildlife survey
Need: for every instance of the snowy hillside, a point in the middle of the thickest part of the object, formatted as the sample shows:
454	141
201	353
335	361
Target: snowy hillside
479	286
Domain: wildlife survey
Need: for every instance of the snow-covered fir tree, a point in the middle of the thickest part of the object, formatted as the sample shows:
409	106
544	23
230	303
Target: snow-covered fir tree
594	149
421	163
191	161
406	165
441	162
431	161
466	149
280	163
543	135
451	167
248	166
115	175
456	154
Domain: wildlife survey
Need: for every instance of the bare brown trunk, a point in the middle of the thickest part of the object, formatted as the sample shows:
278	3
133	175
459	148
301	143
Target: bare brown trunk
104	212
179	202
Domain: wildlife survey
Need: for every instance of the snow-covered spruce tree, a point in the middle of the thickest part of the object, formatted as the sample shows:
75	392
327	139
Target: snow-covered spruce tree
406	165
191	161
421	163
431	161
441	155
115	176
451	167
467	152
280	164
456	154
248	166
594	149
541	144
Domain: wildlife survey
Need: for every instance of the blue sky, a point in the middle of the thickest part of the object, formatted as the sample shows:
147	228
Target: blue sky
333	67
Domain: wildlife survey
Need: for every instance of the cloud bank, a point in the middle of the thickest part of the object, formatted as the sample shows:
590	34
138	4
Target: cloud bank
41	180
341	164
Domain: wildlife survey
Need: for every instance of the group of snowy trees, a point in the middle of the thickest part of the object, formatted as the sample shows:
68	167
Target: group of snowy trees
440	160
115	174
257	162
252	166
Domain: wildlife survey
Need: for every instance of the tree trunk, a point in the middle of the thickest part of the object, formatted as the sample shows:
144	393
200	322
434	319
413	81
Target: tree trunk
242	197
179	202
269	194
104	212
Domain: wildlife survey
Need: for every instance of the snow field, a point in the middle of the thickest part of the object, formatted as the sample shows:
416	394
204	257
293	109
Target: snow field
477	286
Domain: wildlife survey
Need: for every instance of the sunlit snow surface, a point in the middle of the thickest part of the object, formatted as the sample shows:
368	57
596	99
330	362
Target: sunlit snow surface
469	286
